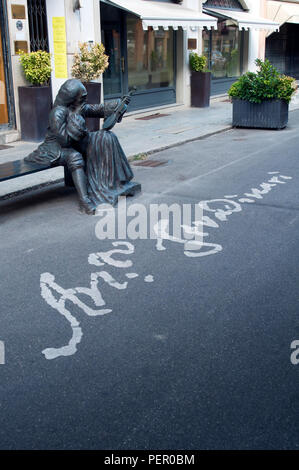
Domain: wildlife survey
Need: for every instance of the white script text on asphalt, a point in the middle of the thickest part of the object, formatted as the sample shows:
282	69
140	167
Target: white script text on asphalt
56	296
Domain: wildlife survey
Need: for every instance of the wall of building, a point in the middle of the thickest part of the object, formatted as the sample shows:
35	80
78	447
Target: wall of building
84	25
254	36
263	34
55	8
15	35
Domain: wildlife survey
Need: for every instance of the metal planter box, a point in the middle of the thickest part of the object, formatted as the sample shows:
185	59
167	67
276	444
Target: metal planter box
272	114
35	105
200	89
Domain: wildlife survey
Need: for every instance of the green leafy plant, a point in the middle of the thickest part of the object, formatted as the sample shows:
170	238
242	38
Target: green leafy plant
90	62
265	84
138	156
36	67
198	63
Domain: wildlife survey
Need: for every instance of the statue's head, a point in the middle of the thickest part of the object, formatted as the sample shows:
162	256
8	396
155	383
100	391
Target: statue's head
71	94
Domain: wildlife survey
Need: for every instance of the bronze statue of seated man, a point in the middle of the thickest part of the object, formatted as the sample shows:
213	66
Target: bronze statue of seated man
68	142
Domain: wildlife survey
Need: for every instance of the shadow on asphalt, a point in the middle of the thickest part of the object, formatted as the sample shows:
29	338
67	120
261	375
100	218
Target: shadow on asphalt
36	199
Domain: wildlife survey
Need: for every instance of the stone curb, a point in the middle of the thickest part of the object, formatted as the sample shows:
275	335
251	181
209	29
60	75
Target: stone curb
35	187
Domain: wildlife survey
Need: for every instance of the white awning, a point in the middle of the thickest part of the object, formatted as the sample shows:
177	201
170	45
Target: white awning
165	15
283	12
245	20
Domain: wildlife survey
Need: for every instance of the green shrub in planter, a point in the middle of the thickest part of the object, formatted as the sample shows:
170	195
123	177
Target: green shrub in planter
36	67
261	99
200	81
35	101
90	62
198	63
265	84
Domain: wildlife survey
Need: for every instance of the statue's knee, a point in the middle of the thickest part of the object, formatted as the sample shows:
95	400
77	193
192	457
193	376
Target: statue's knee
75	161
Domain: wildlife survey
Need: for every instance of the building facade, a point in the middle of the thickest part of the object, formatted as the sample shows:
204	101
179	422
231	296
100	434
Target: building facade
148	43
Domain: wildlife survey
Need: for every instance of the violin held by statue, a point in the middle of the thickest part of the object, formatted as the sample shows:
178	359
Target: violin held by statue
117	116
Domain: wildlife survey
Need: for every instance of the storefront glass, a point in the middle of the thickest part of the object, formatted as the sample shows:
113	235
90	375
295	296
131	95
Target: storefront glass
3	101
150	56
112	76
223	50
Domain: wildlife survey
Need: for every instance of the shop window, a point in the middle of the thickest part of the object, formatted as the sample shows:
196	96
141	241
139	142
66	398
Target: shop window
150	56
223	50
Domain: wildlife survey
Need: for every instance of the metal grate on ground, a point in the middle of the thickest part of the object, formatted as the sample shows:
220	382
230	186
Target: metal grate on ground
151	163
151	116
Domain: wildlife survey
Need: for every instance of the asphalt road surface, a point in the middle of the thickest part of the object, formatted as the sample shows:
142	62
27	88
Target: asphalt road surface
165	350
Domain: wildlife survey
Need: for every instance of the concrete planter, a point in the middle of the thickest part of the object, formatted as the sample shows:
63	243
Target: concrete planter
93	97
35	105
200	89
272	114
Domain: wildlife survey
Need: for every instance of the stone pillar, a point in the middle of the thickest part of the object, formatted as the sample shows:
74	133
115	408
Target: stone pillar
254	36
183	69
82	25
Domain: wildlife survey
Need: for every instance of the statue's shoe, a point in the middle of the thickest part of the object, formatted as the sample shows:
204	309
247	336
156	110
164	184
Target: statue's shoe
87	206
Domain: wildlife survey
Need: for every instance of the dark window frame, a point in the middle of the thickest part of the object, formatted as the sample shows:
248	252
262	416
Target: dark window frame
38	26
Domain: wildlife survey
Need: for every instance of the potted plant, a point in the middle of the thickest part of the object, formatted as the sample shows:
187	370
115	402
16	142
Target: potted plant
35	101
261	99
89	64
200	81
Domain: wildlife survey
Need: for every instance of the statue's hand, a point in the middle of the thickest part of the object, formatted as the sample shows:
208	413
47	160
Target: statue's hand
126	99
79	108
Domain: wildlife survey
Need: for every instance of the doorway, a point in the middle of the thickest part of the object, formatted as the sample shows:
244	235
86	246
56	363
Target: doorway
282	49
114	42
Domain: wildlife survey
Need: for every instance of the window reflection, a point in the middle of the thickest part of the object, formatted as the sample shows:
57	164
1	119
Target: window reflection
112	75
224	51
150	56
3	102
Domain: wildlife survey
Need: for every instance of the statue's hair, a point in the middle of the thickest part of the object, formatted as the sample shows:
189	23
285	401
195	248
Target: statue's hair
68	92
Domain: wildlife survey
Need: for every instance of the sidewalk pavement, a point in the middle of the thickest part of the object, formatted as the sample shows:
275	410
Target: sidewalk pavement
165	127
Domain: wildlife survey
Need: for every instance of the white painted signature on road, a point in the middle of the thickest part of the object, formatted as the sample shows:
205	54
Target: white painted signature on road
56	296
221	210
